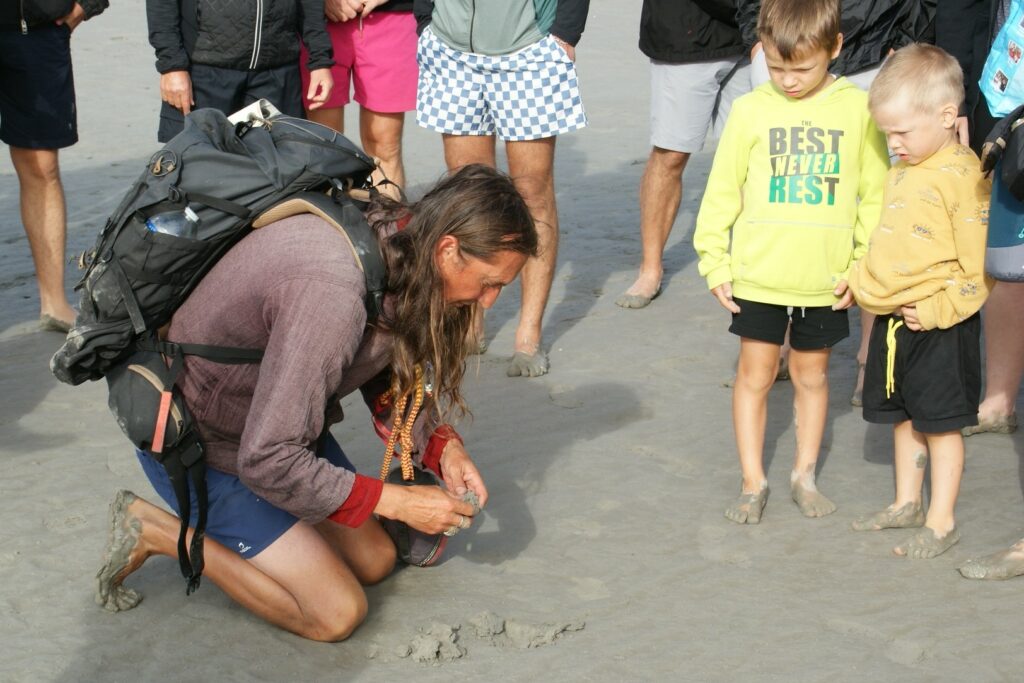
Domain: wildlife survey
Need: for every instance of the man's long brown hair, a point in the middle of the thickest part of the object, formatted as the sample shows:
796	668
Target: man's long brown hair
481	208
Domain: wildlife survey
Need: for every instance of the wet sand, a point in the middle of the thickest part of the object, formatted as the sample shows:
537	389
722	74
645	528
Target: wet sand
603	545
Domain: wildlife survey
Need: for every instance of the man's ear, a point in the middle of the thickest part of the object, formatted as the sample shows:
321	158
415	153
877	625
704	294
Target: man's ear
447	249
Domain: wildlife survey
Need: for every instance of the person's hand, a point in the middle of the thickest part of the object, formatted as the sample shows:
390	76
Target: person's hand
962	131
369	6
460	474
429	509
569	49
723	293
845	295
910	319
176	90
73	18
320	85
754	50
342	10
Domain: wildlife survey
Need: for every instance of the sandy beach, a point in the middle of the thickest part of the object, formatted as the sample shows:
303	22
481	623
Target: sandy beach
603	549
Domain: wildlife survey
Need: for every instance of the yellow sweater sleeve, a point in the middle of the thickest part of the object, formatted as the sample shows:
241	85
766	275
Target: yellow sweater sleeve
723	199
967	287
873	170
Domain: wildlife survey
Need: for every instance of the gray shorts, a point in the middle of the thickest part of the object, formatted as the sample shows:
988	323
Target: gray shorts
689	100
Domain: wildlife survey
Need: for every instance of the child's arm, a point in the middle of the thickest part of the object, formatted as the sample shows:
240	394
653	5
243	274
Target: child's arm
874	166
968	287
722	202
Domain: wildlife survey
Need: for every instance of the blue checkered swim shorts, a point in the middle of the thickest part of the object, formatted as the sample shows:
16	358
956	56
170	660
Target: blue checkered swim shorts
527	95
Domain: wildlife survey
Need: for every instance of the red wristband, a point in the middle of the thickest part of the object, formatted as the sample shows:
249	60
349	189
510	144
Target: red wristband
361	501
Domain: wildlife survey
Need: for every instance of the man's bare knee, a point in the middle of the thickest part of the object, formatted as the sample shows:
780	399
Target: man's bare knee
36	166
668	162
383	564
341	623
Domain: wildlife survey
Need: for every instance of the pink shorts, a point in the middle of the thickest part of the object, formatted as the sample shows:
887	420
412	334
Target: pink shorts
380	58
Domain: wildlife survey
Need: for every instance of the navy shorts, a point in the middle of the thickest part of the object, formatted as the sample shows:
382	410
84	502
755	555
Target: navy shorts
37	88
936	376
811	328
232	89
237	518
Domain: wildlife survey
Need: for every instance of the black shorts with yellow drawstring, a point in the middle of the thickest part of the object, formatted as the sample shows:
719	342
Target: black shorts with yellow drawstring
931	377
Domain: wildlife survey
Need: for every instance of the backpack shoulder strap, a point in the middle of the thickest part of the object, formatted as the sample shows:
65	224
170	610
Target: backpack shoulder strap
343	214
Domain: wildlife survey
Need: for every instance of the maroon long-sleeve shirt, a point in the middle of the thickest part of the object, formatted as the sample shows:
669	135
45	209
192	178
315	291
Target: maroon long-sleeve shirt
292	288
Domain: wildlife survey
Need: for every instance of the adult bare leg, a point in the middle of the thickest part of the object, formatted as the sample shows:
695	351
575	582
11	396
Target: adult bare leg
381	135
302	582
460	150
44	216
332	118
809	372
531	165
1004	359
867	321
661	190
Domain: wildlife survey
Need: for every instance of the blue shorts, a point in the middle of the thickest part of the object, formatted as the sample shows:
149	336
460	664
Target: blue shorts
37	88
237	518
531	94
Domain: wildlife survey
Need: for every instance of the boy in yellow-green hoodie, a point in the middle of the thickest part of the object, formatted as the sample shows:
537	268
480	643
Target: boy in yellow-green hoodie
796	184
924	276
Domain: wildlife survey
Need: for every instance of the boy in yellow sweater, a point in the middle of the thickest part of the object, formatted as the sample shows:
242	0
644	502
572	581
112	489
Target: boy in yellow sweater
924	276
795	187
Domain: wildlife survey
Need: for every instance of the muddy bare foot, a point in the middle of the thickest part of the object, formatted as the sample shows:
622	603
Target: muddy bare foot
118	561
527	364
807	497
926	544
905	517
748	507
1004	564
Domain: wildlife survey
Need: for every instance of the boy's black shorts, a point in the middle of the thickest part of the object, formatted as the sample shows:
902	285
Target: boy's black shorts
231	89
813	327
37	88
937	376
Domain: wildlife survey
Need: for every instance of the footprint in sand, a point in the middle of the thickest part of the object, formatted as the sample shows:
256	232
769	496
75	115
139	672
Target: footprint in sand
713	545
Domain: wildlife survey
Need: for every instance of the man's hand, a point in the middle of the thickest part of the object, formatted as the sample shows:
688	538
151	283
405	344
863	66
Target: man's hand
176	90
320	85
723	293
429	509
460	474
73	18
569	49
910	319
842	290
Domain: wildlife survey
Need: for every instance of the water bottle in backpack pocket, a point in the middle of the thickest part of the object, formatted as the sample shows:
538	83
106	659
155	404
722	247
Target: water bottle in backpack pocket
1004	257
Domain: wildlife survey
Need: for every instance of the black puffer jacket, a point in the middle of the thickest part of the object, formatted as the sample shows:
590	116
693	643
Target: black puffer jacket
870	29
27	13
237	34
683	31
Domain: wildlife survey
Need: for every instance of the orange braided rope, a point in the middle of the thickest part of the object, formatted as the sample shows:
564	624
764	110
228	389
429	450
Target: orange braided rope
401	430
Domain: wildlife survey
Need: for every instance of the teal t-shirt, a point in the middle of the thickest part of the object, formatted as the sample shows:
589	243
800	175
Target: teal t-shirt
490	27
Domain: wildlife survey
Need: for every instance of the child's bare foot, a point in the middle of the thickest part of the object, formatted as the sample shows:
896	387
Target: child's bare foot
904	517
926	544
1004	564
807	497
121	558
748	507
